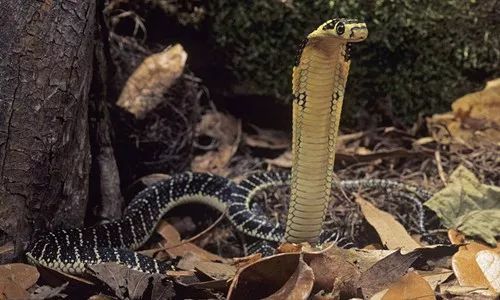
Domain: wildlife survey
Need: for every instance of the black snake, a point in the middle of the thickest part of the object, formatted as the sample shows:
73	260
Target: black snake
319	78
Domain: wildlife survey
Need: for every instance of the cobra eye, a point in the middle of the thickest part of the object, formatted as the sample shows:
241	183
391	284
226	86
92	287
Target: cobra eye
340	28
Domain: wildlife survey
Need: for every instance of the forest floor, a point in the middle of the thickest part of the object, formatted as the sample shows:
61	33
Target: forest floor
439	154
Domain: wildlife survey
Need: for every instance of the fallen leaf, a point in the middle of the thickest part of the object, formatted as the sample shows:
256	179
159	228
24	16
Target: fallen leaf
188	261
467	291
284	160
392	234
193	288
298	286
333	272
240	262
410	286
15	279
173	245
130	284
225	130
151	179
23	275
289	248
392	267
264	277
489	263
474	119
216	271
466	268
455	237
146	87
268	138
214	162
361	258
48	292
179	273
436	277
468	206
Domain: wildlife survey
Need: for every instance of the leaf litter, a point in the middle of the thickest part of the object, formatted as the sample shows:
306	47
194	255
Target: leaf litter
468	206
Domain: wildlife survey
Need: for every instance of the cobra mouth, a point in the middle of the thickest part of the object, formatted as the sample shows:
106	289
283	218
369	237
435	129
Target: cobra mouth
358	34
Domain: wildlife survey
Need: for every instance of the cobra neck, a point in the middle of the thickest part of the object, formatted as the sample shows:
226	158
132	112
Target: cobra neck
318	87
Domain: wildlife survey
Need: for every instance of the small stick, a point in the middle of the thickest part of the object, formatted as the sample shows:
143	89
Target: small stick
442	175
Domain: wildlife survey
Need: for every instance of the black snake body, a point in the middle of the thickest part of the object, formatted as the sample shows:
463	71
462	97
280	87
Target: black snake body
72	250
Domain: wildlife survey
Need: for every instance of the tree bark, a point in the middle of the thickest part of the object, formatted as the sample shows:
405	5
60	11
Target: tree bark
45	73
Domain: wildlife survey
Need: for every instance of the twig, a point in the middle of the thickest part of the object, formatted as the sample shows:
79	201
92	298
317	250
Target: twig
442	175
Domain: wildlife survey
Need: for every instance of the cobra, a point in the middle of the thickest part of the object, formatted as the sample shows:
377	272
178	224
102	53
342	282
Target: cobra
319	79
73	250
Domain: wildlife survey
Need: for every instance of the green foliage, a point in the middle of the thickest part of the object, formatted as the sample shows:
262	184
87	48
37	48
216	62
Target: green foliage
419	56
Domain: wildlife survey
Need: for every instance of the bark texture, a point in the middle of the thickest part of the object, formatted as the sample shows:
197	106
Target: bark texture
45	74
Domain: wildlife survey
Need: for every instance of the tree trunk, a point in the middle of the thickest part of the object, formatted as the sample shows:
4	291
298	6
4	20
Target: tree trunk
45	74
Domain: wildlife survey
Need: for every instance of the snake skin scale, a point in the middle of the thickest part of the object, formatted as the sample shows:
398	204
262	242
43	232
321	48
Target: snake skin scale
72	250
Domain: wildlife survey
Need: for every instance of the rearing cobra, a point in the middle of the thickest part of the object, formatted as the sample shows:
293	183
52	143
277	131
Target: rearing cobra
319	79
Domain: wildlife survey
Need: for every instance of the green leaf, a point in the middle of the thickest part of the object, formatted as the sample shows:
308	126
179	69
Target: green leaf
468	206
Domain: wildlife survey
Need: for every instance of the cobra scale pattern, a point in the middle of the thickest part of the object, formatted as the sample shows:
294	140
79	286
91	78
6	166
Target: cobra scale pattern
72	250
319	78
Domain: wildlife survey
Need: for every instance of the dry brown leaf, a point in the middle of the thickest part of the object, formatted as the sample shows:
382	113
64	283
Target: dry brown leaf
282	161
179	273
264	277
410	286
226	131
298	286
384	272
177	248
24	275
466	291
333	271
289	248
189	261
216	271
214	162
474	120
464	262
151	179
48	292
146	87
240	262
436	277
392	234
130	284
455	237
489	263
268	138
15	279
466	268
